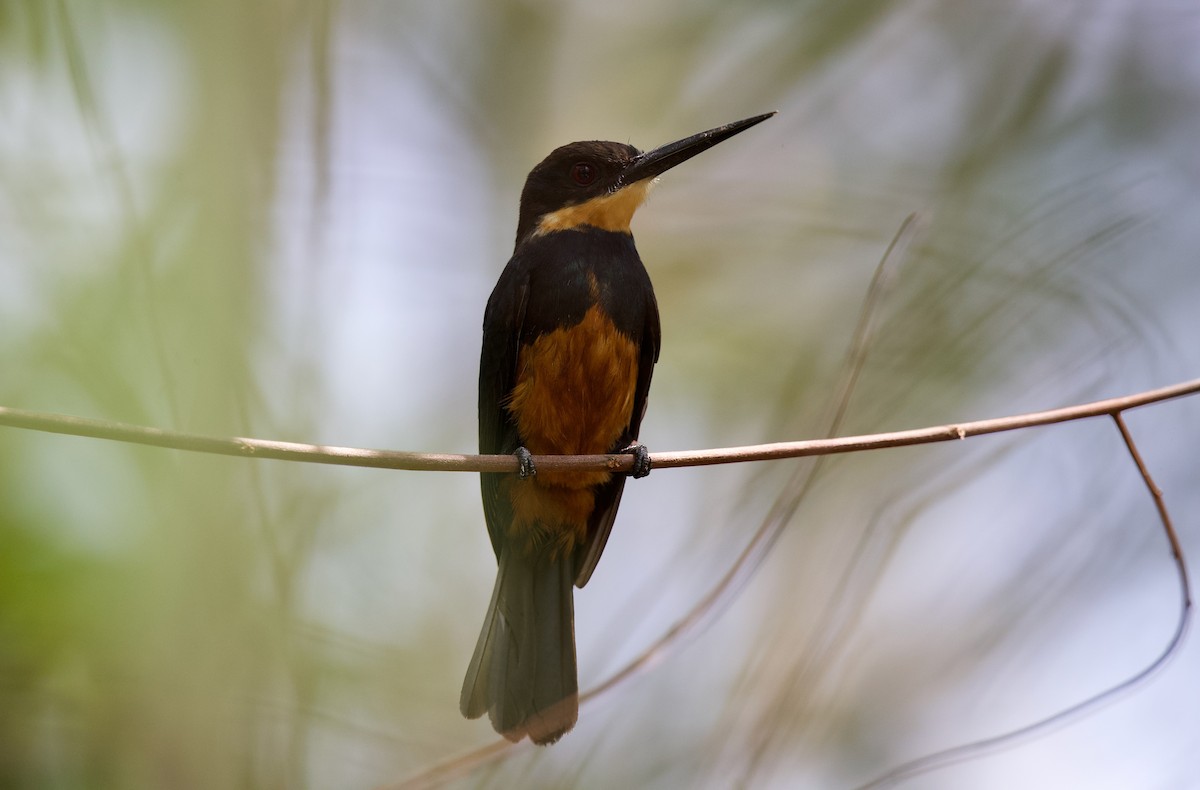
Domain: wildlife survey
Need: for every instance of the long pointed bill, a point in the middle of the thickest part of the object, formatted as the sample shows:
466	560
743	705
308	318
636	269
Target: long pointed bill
661	159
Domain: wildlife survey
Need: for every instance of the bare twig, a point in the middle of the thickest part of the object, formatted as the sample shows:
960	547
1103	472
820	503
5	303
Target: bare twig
448	462
1161	505
957	754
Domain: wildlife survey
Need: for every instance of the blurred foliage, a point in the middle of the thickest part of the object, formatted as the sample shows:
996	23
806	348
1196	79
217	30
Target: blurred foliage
282	219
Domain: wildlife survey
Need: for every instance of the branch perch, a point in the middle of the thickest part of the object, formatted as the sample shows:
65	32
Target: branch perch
447	462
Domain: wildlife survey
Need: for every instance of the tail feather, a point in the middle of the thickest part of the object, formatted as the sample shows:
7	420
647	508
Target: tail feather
523	671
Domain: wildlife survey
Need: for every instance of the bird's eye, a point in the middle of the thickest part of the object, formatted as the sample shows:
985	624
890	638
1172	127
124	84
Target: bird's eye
583	173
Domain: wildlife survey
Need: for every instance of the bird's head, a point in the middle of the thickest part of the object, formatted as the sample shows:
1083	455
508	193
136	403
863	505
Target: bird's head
601	184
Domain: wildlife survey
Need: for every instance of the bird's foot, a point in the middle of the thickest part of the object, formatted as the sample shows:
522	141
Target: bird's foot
641	460
525	467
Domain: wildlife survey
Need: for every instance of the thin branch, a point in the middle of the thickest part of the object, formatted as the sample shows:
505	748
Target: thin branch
449	462
1161	505
958	754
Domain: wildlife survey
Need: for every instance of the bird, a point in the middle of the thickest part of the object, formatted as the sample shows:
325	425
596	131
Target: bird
570	338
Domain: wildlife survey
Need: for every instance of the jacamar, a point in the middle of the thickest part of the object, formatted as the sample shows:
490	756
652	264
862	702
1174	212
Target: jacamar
570	338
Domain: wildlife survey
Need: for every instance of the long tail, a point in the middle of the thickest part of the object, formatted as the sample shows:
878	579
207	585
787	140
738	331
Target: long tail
523	671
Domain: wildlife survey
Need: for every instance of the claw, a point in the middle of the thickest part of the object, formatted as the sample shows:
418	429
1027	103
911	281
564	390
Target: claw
525	467
641	460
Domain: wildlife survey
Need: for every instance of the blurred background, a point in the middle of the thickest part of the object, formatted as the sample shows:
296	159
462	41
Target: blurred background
283	219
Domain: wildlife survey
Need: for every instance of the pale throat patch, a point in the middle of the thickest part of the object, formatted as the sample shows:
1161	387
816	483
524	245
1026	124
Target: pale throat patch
611	212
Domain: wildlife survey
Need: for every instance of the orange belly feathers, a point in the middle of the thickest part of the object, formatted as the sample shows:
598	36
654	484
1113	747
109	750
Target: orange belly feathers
574	395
